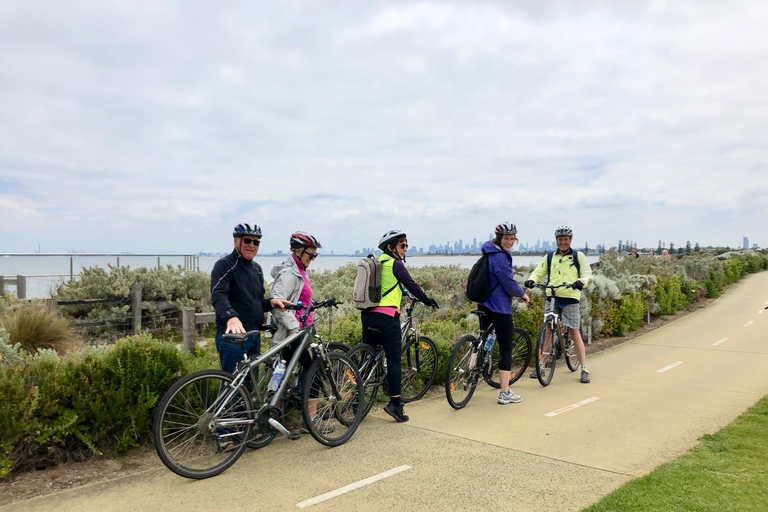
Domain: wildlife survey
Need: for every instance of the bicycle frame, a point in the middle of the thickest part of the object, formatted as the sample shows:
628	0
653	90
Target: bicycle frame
306	334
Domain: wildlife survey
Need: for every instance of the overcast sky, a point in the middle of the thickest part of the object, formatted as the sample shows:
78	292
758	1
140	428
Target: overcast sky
158	125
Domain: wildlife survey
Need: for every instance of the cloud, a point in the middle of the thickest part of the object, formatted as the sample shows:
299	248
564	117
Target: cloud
174	121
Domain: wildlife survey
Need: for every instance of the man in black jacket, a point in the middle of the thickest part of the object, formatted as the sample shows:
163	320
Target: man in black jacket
237	295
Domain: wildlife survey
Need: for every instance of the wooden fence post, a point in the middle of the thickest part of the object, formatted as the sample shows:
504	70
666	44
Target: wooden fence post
136	306
2	286
188	328
21	287
71	268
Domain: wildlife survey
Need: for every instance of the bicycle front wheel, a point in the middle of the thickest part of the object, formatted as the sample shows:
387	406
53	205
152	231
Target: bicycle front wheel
460	381
419	365
332	399
371	372
336	346
521	357
545	354
571	357
201	425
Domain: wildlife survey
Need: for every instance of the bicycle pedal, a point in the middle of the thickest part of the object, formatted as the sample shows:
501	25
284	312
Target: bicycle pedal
294	436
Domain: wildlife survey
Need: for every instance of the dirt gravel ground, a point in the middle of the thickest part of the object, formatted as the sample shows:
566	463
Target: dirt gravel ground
98	469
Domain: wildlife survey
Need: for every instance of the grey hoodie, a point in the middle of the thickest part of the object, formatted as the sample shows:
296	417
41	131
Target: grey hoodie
288	285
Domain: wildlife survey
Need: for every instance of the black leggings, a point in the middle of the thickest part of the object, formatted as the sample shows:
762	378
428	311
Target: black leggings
502	323
389	340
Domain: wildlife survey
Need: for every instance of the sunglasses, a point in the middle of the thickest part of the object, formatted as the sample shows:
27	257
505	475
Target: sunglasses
312	256
249	241
404	245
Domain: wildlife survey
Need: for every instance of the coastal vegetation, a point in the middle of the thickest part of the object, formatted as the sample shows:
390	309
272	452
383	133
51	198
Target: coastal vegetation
68	399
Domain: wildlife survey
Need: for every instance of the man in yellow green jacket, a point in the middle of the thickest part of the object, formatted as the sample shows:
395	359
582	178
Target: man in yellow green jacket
562	268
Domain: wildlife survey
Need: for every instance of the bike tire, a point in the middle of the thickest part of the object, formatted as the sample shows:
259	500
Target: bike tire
342	413
571	357
545	355
460	382
335	346
418	361
522	346
182	427
262	436
371	371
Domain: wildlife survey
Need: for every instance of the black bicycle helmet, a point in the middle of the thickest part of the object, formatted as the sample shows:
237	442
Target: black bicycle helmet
247	229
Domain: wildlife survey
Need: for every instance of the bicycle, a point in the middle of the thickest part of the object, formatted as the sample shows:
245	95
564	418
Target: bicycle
205	421
418	360
547	351
470	359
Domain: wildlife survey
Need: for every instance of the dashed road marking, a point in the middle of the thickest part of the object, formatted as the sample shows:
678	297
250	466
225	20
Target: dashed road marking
718	342
670	366
572	406
351	487
749	323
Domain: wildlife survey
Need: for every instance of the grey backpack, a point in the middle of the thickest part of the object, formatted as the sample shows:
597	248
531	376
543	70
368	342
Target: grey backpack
367	288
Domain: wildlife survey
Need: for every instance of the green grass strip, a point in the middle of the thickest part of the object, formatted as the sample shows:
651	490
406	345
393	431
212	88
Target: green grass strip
726	471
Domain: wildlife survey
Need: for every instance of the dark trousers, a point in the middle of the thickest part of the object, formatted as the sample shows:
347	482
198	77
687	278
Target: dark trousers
230	352
502	323
390	341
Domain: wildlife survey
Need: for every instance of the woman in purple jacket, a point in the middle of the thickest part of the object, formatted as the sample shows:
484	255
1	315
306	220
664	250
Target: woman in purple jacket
498	308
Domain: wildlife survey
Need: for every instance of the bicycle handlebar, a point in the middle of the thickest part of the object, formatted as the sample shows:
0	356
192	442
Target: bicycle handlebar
551	287
414	298
327	303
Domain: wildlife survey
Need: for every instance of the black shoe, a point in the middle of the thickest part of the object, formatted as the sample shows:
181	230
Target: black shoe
396	412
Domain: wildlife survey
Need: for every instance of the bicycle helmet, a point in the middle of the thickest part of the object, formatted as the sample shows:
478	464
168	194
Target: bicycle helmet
389	237
300	239
247	229
506	228
563	231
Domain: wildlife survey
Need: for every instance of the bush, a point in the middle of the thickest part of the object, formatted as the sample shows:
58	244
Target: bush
669	295
97	401
35	328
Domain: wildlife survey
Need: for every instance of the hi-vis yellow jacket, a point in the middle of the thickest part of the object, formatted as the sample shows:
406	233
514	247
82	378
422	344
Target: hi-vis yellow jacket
563	270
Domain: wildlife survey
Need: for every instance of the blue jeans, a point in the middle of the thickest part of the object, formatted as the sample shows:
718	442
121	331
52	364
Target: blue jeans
230	352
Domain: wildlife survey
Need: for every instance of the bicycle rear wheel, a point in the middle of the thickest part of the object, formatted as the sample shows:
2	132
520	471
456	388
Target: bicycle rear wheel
371	371
521	357
332	399
335	346
460	381
571	357
191	438
419	365
545	354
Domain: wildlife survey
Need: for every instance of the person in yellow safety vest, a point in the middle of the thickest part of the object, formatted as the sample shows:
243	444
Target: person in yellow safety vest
565	270
384	319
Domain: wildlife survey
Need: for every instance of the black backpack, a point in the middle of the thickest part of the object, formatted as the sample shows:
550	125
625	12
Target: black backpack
479	287
575	263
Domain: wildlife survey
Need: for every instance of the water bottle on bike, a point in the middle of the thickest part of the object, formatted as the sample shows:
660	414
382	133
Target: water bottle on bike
277	376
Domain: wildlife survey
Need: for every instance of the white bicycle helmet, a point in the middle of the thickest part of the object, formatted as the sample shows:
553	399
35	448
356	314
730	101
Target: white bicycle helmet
389	237
563	231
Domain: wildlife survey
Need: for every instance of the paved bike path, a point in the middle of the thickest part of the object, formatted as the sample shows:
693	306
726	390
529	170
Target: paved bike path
537	453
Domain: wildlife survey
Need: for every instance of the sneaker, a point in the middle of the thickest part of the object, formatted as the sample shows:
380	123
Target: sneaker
509	398
321	426
585	376
396	412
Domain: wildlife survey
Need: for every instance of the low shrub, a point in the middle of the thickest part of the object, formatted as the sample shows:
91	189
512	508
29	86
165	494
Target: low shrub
35	328
96	401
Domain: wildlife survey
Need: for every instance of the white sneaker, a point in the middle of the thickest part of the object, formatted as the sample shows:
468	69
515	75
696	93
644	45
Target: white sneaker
509	398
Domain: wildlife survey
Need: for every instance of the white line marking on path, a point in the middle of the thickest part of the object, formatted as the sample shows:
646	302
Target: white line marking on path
749	323
760	312
718	342
351	487
669	367
572	406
